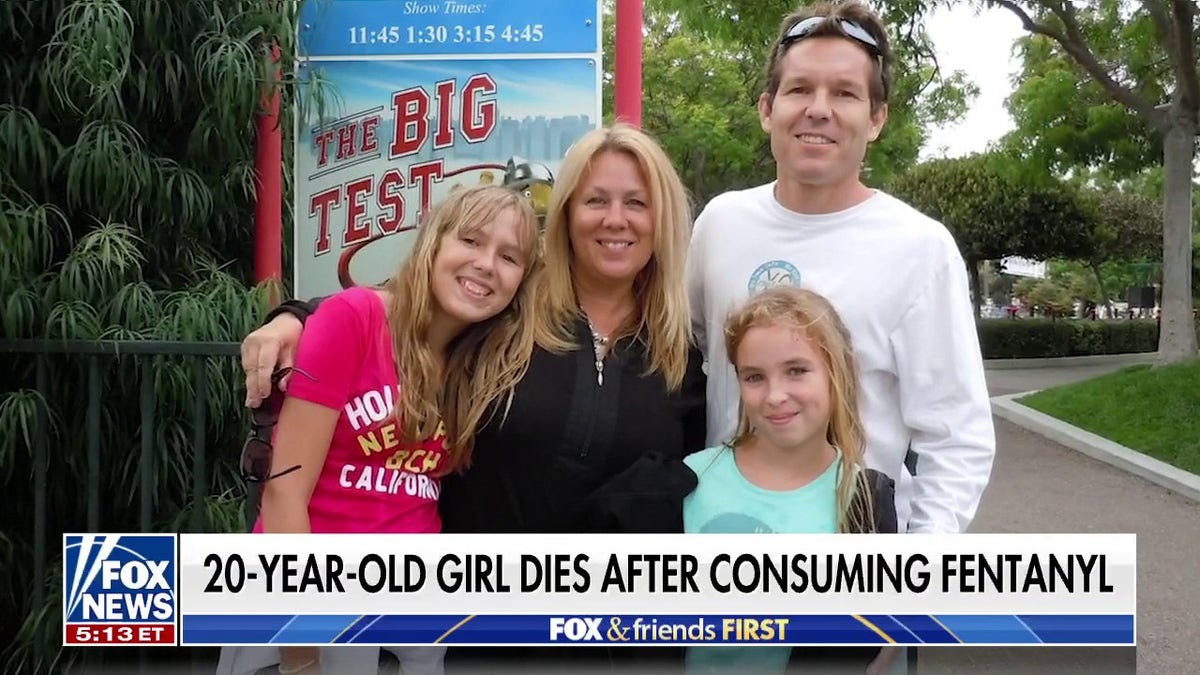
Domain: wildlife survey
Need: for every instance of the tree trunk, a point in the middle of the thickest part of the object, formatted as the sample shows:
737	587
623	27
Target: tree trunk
973	275
1177	341
1100	284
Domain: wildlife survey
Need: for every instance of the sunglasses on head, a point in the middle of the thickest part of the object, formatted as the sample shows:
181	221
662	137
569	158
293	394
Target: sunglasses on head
851	29
258	451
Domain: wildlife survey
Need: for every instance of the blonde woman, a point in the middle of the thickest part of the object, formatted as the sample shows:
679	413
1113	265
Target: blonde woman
372	364
611	377
612	373
795	464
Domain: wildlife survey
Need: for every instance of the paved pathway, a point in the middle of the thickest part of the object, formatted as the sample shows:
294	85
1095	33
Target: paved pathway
1040	486
1012	381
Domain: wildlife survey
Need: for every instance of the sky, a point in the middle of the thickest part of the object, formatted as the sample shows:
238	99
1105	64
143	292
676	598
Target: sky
978	43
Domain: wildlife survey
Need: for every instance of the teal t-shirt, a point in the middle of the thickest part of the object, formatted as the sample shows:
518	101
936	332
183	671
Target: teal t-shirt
724	502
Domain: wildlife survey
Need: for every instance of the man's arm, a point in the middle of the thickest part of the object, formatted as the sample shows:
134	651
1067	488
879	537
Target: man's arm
272	346
301	309
944	402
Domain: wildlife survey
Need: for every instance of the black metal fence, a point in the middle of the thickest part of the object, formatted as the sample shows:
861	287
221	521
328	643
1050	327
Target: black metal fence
148	356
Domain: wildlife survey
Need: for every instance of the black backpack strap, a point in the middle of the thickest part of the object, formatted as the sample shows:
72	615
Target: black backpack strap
883	503
883	499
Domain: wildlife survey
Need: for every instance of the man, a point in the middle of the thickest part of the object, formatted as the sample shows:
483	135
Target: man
895	275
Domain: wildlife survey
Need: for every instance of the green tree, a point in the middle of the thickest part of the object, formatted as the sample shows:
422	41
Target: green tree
692	108
1023	287
922	98
696	101
1101	283
1125	227
1050	297
1150	182
1066	121
126	202
1142	56
996	208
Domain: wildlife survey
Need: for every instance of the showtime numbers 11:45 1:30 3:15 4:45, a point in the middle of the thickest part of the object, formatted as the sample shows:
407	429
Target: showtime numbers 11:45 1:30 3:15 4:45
456	34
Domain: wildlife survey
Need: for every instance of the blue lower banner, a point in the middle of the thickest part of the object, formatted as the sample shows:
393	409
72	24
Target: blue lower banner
666	629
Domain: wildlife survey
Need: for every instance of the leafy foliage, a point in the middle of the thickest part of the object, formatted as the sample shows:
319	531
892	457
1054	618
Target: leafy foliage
698	102
1101	284
126	202
1065	120
996	208
1127	226
1113	85
1047	338
729	41
1124	241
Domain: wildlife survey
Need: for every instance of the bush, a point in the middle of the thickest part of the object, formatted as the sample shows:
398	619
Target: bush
1042	338
127	196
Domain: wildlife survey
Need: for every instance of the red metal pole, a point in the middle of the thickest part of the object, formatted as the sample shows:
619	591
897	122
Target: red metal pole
628	74
268	165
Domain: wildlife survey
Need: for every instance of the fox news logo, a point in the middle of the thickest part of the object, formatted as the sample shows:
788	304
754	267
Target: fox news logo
119	589
575	629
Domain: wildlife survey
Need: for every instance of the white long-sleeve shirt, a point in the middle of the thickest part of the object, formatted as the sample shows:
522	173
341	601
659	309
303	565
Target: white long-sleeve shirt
899	283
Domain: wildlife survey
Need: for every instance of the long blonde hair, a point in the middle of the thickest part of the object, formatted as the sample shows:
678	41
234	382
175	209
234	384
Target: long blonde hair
662	306
811	314
427	394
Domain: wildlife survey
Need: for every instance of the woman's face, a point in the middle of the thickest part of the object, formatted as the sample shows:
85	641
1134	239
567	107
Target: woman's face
478	270
611	222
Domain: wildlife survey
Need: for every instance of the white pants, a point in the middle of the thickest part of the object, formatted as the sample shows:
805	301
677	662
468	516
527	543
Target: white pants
348	659
900	665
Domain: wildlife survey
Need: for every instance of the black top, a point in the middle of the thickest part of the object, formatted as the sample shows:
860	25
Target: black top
566	434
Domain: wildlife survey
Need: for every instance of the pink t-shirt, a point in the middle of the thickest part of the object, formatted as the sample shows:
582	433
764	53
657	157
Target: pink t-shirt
371	481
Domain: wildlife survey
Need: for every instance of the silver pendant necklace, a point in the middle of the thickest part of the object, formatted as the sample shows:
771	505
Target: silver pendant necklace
600	349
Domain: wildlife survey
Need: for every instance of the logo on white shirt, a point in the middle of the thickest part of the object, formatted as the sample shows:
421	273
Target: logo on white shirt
773	273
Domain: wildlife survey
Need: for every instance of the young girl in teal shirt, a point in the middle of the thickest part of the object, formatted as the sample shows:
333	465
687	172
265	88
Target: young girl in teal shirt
796	463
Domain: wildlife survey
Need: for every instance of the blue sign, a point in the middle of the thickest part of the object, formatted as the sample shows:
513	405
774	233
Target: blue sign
660	629
418	27
423	96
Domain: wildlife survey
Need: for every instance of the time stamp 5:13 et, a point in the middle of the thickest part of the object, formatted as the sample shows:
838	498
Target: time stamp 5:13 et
455	34
110	634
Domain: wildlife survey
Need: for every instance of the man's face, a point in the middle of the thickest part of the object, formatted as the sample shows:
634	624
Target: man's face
820	120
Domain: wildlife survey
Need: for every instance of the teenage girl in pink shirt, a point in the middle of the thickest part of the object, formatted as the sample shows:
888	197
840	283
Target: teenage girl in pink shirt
361	442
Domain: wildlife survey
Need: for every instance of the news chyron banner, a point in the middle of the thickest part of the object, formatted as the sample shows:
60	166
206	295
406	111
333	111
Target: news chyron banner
515	589
401	101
